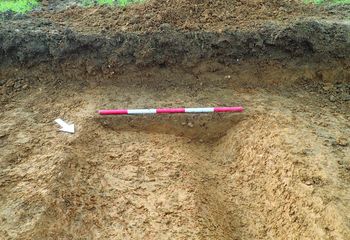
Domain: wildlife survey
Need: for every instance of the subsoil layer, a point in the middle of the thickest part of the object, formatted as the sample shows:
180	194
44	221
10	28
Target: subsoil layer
279	169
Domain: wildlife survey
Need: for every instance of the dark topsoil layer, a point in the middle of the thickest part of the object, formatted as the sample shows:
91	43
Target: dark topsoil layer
163	33
33	41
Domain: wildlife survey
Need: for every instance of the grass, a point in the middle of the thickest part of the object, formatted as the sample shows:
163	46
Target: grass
88	3
18	6
22	6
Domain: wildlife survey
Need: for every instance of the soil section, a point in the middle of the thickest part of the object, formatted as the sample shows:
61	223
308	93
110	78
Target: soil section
31	42
279	169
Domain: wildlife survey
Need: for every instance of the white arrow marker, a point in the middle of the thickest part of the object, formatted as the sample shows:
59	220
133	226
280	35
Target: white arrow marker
65	127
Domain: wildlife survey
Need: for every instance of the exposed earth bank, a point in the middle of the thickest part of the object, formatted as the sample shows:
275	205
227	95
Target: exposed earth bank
280	170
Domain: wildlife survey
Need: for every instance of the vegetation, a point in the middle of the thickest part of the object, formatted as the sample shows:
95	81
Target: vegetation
88	3
18	6
127	2
22	6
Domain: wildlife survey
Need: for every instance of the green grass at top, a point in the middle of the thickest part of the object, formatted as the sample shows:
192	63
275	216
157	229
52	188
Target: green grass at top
329	1
18	6
127	2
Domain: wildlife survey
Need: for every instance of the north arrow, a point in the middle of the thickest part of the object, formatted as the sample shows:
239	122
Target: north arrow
65	127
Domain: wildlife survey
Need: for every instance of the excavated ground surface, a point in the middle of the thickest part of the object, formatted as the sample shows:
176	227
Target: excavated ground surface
280	170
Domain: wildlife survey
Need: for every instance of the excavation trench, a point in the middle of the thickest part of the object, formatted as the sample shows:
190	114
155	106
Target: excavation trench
218	176
128	181
279	169
198	127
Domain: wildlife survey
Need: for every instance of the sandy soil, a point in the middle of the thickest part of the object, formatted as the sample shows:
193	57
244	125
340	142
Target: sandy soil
279	169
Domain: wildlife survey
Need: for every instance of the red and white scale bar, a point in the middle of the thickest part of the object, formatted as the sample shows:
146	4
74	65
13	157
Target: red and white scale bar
169	110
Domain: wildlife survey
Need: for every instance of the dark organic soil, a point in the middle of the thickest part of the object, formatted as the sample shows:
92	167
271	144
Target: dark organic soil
37	41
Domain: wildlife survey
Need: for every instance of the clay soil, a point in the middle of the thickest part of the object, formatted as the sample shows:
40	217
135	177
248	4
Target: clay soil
280	170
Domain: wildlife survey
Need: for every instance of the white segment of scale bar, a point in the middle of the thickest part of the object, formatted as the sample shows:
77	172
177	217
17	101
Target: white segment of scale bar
142	111
199	110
